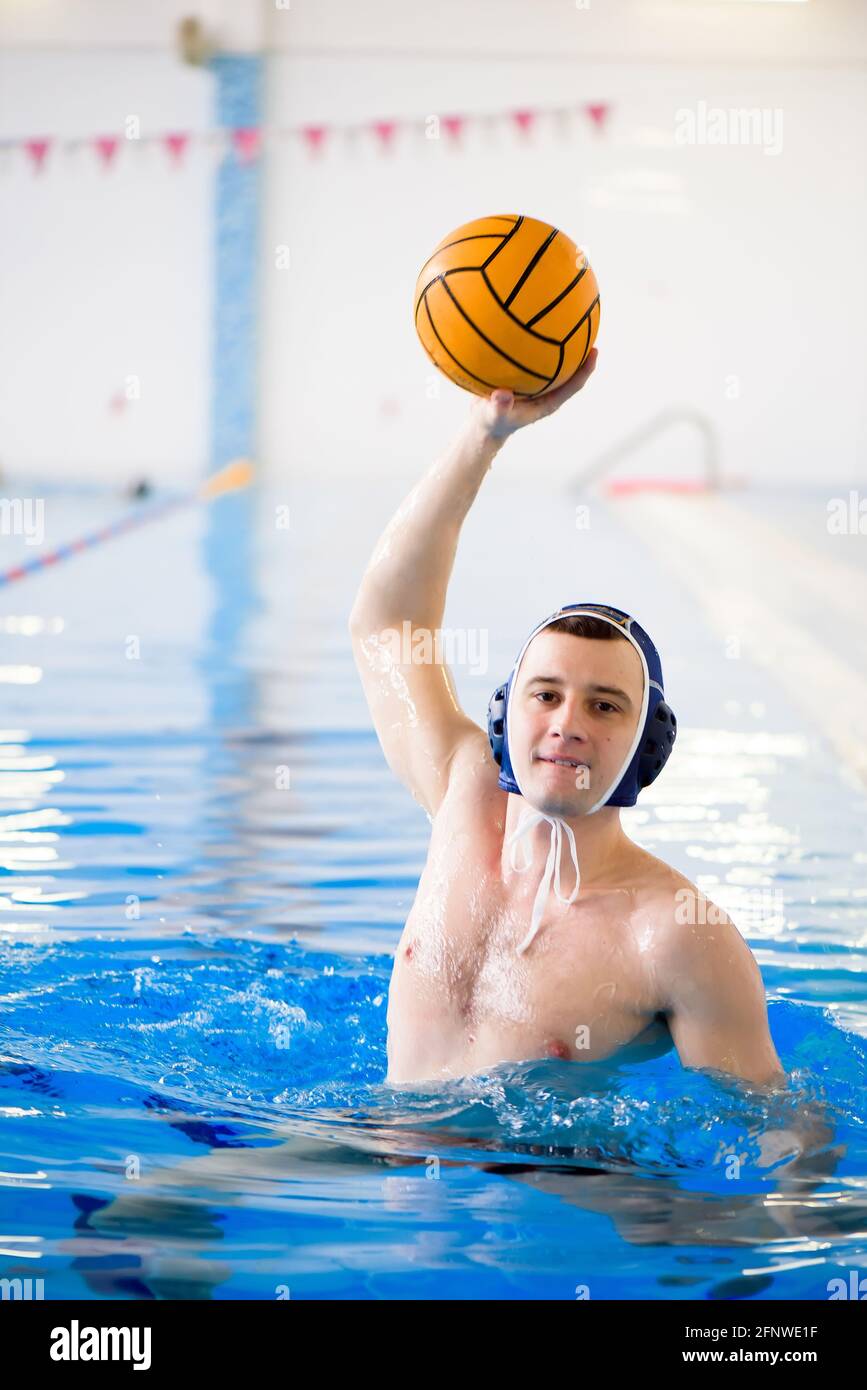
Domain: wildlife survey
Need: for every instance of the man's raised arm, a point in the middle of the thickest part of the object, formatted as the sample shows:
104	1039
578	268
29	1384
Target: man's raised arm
414	705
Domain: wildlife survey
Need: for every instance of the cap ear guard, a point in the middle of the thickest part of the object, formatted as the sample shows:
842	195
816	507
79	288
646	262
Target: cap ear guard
657	744
497	723
498	739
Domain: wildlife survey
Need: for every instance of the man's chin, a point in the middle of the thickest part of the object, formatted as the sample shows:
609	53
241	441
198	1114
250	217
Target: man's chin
565	804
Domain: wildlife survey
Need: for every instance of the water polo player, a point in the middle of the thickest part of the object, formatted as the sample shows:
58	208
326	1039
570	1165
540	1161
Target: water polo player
539	927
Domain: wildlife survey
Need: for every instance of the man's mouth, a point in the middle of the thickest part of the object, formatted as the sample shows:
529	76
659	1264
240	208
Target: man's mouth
562	762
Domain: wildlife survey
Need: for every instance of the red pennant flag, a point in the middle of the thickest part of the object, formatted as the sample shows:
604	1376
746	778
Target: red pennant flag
598	113
385	132
106	148
247	141
453	126
175	145
37	150
314	137
524	120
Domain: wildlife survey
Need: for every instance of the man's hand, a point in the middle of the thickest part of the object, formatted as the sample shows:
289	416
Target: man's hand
500	414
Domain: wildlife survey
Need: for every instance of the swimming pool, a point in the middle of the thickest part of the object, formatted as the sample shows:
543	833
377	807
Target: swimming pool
206	865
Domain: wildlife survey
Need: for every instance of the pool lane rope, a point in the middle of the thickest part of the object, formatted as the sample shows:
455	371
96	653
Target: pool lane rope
234	476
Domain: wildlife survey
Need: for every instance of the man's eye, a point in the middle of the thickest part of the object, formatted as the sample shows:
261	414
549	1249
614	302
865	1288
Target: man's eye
608	705
540	693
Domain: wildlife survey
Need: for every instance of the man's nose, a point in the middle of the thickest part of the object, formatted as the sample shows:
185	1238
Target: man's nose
569	723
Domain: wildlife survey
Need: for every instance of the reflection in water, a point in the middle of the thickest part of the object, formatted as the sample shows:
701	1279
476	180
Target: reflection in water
786	1216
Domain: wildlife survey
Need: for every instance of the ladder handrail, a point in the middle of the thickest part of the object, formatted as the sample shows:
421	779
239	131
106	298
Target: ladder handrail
674	415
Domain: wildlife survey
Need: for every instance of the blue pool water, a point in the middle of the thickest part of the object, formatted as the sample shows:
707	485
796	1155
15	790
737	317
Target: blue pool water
205	866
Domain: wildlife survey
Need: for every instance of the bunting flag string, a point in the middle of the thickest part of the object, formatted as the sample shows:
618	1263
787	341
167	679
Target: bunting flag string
247	143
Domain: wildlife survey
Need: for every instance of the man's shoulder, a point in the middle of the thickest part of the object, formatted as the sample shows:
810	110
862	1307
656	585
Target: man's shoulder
692	944
656	882
675	903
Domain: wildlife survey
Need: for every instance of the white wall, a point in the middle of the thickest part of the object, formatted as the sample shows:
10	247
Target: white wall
713	262
105	275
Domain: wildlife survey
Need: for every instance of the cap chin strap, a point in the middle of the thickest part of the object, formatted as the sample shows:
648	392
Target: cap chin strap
530	818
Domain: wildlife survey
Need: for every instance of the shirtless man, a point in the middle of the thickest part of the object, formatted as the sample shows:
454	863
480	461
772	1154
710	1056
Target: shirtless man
590	948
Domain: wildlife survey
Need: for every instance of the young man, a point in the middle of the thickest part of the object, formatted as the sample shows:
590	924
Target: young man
590	948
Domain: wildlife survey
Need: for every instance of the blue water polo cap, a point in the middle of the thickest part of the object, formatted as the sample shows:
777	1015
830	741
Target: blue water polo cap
657	726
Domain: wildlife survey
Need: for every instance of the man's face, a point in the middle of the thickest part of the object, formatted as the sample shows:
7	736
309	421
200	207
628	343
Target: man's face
576	700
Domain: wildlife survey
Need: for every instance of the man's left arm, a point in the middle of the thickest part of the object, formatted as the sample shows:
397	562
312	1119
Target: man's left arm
718	1018
716	1009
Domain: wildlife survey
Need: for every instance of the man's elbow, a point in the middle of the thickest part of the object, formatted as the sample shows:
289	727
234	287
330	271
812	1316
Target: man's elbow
760	1071
371	616
767	1078
363	623
357	620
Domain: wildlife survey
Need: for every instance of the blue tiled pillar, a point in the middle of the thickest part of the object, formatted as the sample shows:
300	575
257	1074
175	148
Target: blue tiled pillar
229	540
237	203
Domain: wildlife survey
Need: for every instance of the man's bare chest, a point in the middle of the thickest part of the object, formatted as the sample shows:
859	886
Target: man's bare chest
587	977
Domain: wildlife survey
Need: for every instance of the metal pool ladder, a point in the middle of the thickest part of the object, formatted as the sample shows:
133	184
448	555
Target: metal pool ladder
674	415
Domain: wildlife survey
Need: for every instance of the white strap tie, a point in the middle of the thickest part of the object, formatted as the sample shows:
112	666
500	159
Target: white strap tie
529	820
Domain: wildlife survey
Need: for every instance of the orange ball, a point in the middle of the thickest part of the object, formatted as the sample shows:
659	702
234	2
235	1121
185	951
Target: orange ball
507	302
